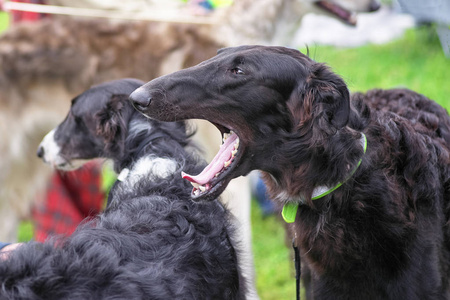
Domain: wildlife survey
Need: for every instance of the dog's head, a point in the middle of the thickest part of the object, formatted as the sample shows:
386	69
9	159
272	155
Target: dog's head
94	127
259	98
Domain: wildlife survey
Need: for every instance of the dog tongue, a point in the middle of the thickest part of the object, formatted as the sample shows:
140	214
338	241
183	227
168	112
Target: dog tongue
217	164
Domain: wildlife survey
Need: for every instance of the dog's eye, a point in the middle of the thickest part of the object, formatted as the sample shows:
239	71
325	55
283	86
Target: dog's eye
237	71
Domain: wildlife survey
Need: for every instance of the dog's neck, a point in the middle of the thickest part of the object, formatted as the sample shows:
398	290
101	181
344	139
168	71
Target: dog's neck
290	208
139	158
155	153
318	175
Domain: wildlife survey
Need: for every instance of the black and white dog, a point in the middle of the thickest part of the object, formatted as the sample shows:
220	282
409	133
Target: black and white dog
152	241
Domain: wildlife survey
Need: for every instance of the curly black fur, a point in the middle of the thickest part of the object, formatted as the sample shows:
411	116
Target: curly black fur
385	232
152	242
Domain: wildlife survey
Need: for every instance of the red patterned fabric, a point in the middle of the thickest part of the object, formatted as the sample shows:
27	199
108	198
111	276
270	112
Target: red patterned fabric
71	197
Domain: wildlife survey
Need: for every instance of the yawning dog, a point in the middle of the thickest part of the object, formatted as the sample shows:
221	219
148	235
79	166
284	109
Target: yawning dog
152	242
364	179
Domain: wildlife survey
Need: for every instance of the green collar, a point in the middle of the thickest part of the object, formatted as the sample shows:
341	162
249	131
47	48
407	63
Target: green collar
290	209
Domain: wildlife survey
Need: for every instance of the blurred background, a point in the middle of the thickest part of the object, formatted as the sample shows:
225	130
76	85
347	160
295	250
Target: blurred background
53	50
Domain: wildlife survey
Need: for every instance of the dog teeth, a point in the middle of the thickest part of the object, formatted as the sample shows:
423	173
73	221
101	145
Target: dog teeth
236	145
233	153
225	136
226	164
198	187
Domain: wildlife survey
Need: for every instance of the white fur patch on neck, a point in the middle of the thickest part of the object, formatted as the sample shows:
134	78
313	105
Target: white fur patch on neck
151	166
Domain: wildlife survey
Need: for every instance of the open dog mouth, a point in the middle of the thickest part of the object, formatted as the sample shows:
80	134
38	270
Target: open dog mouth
338	11
214	178
65	165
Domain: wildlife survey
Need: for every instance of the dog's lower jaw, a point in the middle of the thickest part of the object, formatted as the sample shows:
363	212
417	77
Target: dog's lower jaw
285	198
72	165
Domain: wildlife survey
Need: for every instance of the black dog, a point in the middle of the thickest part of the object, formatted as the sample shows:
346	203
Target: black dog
152	242
365	179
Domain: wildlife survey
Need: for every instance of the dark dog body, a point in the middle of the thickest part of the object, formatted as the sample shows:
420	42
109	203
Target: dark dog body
152	242
384	232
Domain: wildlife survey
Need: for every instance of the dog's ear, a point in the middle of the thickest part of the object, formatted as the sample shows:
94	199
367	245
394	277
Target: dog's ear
322	101
111	123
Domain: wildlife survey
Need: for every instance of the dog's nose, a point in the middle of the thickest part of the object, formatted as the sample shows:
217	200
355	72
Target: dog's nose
140	98
40	152
374	6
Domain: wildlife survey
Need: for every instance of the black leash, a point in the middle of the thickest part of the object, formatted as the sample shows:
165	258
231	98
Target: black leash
298	271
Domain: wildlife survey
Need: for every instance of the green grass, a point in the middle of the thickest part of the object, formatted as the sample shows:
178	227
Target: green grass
25	232
4	21
415	61
273	257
